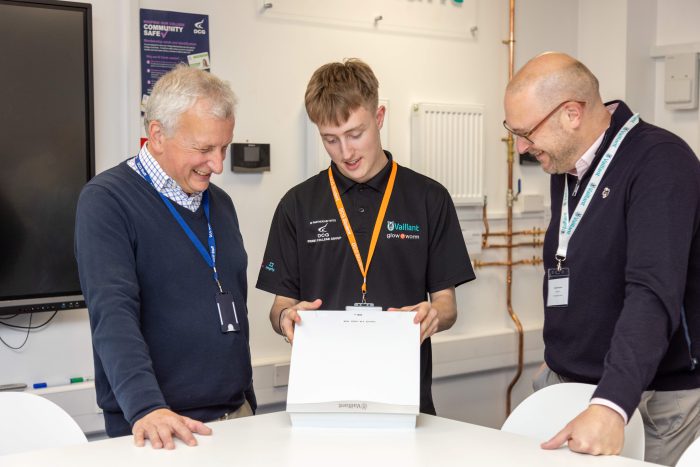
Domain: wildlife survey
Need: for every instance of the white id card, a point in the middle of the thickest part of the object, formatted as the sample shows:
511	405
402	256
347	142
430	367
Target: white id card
558	287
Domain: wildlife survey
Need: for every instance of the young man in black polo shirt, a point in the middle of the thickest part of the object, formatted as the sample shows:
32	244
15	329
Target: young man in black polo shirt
366	229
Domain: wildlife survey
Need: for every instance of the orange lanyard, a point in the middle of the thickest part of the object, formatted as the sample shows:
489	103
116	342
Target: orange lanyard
377	223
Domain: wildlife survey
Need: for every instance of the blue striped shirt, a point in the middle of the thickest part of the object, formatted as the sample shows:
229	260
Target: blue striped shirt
163	183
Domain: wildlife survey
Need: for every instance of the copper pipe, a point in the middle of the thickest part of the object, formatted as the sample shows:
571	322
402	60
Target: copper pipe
521	356
509	231
534	261
516	245
511	41
481	264
485	235
534	231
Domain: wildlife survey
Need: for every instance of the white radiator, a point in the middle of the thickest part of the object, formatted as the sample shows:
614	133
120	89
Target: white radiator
447	144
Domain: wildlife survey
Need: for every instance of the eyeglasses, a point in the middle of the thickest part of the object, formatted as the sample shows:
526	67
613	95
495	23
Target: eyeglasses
526	135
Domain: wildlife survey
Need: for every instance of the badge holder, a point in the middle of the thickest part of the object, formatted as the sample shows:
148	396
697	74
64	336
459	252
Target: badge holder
557	286
363	306
228	317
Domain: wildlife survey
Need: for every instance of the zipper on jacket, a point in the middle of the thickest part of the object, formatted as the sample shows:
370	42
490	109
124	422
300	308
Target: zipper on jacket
578	183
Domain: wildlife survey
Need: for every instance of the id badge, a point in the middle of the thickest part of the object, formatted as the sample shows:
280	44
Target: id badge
558	287
363	307
228	316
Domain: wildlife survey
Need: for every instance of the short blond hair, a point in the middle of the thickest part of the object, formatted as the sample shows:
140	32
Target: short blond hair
336	89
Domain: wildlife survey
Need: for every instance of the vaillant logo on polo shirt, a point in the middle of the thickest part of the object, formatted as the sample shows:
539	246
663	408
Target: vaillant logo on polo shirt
402	227
402	231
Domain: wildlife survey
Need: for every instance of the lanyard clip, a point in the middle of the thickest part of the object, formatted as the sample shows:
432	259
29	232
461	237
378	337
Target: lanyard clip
560	259
216	279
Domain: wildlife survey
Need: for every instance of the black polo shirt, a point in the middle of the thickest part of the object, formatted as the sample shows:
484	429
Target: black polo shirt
420	249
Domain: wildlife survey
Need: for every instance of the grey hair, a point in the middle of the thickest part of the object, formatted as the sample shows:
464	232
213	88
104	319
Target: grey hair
179	89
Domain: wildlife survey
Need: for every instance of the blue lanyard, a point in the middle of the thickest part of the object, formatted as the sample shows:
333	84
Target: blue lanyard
209	258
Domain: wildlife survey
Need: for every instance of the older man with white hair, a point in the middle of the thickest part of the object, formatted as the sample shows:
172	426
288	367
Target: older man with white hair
163	270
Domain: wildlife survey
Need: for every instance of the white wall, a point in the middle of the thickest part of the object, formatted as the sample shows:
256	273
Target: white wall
613	41
677	24
640	80
602	43
542	26
269	64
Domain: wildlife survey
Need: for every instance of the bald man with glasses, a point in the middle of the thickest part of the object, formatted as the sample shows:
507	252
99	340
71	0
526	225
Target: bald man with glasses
621	259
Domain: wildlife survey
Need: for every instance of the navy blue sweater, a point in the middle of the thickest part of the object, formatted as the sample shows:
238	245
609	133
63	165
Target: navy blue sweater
151	300
634	263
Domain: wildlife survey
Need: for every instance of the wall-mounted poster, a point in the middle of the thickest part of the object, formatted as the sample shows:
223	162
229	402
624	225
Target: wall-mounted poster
169	38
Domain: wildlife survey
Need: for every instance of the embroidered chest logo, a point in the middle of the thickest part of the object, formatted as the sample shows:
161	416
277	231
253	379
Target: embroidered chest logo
402	231
322	230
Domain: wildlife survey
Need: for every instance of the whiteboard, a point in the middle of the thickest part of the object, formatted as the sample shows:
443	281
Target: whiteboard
454	19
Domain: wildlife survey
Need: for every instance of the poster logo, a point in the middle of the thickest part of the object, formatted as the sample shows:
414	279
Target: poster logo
199	27
169	38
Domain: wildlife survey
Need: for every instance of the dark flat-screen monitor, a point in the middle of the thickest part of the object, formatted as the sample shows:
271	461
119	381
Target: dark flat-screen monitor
46	150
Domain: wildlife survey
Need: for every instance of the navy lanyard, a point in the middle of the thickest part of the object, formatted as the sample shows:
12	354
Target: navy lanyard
210	259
